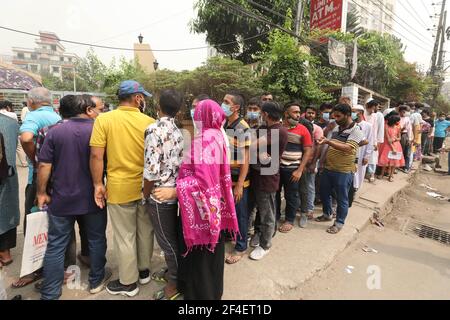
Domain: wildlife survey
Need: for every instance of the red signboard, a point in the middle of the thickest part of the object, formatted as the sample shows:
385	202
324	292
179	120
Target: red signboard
326	14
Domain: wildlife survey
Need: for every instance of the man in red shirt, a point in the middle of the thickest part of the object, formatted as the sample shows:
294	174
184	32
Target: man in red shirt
293	163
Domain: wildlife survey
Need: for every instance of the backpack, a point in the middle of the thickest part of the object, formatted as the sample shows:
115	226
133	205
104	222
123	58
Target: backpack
308	125
6	171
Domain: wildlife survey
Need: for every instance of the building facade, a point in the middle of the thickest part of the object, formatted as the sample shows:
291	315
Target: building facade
375	15
49	57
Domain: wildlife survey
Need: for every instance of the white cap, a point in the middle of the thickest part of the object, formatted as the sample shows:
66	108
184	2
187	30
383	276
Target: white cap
359	108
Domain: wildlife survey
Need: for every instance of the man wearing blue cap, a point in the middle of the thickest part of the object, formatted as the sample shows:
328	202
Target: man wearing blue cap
120	134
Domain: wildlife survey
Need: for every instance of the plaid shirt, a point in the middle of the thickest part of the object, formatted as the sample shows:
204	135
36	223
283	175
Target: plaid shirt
40	138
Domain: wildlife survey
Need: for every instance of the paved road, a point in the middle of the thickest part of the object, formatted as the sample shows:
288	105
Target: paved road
408	267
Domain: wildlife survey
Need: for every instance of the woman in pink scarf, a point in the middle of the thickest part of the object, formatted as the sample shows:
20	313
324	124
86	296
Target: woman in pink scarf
206	205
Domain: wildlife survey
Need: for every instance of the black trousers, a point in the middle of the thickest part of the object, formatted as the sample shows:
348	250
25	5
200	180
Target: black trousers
437	144
8	240
200	273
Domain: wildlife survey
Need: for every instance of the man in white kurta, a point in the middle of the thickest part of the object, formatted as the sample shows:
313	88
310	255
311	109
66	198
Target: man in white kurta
372	117
365	152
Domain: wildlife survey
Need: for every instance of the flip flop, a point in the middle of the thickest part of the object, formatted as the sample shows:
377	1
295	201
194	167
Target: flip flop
159	295
286	227
160	276
333	230
232	258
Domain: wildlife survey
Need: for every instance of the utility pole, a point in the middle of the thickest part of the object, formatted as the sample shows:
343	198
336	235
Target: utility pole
440	30
440	63
437	59
299	17
74	80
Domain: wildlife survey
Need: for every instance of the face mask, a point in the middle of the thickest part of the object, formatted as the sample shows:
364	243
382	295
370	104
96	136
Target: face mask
253	115
227	109
293	122
326	116
354	116
192	113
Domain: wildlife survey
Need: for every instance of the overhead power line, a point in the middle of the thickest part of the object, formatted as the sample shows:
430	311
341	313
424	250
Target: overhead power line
128	49
397	33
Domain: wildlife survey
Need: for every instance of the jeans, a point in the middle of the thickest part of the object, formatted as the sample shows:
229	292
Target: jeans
425	144
165	223
406	150
59	236
266	204
341	184
290	194
307	192
251	202
242	214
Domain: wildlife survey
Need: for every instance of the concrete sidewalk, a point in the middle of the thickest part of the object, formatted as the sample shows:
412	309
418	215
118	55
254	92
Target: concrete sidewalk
294	258
299	255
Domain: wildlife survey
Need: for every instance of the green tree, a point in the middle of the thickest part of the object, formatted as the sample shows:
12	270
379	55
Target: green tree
223	25
409	84
288	70
90	71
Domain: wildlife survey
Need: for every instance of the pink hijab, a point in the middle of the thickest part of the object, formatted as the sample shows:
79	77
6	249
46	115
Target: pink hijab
204	184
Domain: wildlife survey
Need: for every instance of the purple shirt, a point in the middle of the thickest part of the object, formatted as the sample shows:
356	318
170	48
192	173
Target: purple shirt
66	147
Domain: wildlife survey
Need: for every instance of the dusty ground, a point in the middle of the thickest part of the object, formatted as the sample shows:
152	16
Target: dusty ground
409	267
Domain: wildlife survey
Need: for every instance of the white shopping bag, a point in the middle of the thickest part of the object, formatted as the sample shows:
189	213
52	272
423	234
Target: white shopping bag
394	155
35	244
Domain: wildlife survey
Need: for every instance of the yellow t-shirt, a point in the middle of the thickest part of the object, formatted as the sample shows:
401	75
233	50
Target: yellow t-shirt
122	132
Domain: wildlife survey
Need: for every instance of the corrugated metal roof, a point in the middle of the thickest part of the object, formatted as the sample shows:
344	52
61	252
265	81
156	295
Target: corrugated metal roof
17	79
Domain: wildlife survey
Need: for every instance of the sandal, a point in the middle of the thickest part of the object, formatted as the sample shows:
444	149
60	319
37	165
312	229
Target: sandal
333	229
323	218
391	179
160	276
235	257
285	227
310	215
26	280
159	295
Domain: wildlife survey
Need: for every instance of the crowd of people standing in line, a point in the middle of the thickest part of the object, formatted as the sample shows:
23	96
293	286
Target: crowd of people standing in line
147	180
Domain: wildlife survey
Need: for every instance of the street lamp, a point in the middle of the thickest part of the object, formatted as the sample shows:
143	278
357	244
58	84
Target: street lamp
155	65
141	38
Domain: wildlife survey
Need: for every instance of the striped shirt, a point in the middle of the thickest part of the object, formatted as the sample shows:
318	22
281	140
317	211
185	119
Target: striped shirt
298	138
340	161
238	134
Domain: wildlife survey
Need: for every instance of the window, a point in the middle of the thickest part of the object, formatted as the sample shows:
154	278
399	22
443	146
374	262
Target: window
55	69
53	47
61	59
33	56
33	68
70	59
21	55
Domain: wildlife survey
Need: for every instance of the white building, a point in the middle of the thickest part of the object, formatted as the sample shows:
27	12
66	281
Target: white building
375	16
50	56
